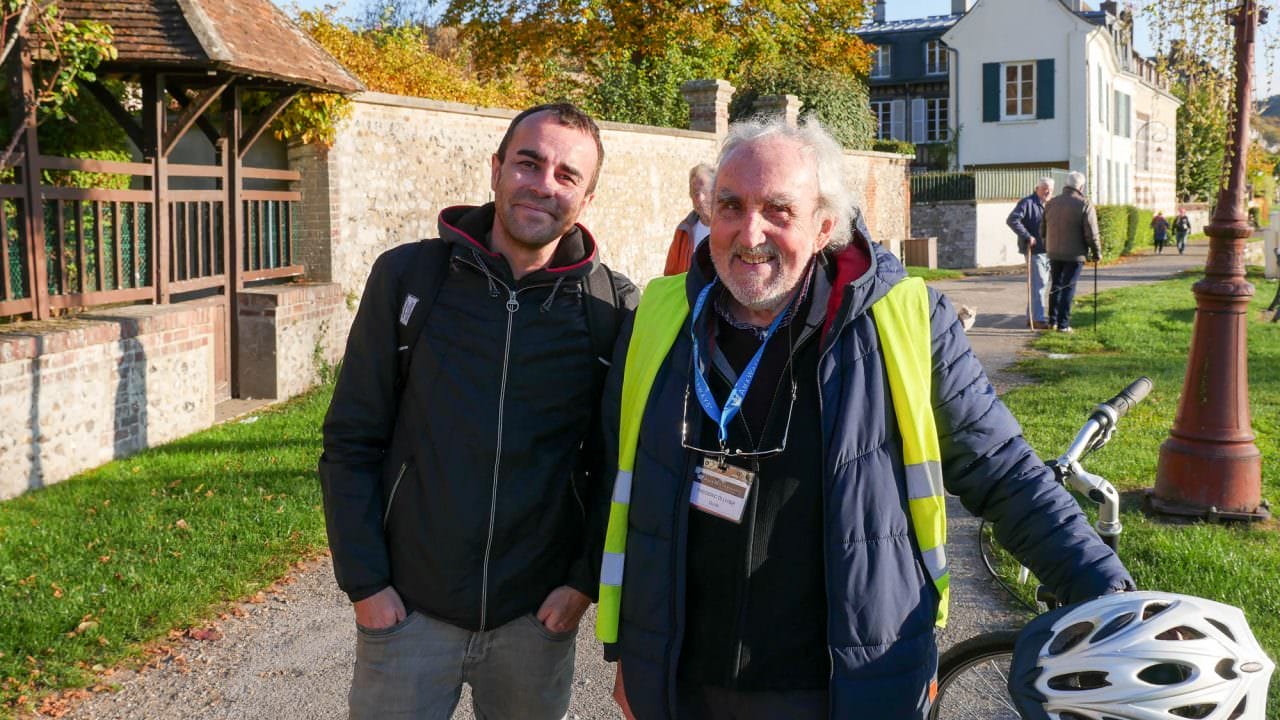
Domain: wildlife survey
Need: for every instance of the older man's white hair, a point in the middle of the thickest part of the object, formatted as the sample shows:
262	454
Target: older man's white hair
833	197
1075	179
1046	182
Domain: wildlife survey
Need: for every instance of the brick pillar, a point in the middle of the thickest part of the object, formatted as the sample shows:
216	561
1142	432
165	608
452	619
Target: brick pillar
708	104
314	229
788	106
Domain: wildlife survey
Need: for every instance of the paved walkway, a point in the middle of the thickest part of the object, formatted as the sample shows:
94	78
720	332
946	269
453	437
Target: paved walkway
289	654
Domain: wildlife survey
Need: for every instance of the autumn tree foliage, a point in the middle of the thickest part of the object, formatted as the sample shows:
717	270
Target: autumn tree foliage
625	59
1195	44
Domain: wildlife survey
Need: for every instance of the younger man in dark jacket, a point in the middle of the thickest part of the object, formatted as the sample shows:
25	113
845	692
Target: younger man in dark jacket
456	520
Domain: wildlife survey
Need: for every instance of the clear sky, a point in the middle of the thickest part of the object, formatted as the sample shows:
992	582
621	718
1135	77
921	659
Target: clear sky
903	9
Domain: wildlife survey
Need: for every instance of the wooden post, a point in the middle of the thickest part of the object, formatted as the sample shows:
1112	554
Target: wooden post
232	121
153	127
37	263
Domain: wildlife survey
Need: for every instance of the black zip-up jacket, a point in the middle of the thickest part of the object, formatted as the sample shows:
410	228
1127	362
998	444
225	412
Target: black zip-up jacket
466	493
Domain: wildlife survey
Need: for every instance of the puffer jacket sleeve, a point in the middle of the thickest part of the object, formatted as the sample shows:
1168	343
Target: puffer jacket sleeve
996	474
357	433
584	573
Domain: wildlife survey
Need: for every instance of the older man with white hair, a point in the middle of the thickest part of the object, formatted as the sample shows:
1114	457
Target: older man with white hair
1070	231
784	419
1025	223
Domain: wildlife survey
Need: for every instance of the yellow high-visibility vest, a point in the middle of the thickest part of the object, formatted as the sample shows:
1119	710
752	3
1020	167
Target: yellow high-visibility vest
902	322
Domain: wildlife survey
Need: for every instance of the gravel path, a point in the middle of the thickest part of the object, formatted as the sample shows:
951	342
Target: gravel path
289	653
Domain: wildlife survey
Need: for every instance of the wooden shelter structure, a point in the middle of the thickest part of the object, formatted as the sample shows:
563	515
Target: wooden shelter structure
160	241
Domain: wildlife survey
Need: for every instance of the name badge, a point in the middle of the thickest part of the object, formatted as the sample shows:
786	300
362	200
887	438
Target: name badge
721	489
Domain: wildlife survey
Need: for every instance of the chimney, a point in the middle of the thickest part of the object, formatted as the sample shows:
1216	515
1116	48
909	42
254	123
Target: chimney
878	17
960	7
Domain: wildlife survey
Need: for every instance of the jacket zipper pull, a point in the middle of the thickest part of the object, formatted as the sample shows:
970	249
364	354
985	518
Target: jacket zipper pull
513	304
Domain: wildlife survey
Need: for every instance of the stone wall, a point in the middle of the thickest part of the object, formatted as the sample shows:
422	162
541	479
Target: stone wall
76	394
398	161
287	338
955	225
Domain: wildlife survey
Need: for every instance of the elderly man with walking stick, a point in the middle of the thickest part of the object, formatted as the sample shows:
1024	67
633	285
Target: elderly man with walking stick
1025	223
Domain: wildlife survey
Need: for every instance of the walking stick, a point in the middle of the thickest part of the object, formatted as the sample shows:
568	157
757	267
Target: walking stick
1095	297
1030	320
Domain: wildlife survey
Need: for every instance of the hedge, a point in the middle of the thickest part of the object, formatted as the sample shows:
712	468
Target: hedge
1113	229
1140	233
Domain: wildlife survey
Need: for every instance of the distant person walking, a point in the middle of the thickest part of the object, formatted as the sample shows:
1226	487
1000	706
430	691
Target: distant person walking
1070	232
1181	228
1160	229
1025	223
696	226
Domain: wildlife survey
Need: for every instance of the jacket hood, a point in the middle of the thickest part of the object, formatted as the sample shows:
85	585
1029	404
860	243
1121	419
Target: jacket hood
468	227
860	273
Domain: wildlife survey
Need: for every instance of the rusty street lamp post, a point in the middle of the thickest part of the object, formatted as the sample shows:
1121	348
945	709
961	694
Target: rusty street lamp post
1210	466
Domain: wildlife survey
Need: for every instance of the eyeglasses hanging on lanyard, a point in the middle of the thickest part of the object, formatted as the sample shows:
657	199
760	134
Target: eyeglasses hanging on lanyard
733	404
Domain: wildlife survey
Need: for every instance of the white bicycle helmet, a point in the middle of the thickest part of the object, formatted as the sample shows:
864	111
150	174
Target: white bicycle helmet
1142	656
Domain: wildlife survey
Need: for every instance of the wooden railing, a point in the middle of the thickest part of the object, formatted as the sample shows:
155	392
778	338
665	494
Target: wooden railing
100	244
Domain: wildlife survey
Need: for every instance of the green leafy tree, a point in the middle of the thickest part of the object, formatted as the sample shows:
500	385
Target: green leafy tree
1197	44
69	52
839	100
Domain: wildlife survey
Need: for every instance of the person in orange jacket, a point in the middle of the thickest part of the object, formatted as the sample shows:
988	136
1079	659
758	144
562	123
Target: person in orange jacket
696	226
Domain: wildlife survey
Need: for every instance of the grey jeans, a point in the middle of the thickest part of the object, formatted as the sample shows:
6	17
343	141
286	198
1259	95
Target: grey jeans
416	668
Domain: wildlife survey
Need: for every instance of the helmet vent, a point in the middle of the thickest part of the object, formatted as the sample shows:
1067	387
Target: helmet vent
1113	627
1153	609
1223	628
1089	680
1068	715
1226	669
1182	632
1194	711
1239	711
1166	673
1070	637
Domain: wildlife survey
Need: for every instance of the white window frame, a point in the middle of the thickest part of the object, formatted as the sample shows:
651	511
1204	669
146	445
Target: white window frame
1024	66
883	111
936	58
937	119
881	62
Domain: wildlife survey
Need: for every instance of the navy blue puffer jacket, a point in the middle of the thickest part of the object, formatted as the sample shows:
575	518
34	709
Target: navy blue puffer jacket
881	604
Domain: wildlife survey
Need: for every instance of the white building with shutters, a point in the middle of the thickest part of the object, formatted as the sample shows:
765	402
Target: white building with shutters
1052	83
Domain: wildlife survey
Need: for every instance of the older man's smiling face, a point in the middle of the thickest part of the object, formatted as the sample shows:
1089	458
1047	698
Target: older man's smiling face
766	224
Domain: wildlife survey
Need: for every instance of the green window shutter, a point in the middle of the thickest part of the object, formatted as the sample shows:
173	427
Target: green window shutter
1044	89
990	92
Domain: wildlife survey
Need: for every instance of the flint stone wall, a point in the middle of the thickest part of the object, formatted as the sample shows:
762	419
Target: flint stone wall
398	161
76	394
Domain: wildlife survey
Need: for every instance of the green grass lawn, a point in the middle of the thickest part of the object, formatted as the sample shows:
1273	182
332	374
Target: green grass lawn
1146	331
933	273
94	567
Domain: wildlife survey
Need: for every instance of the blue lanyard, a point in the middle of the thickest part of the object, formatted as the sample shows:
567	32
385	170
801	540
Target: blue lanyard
734	403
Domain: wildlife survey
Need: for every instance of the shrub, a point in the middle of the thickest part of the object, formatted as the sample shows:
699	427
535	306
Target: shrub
1139	229
902	147
839	100
1113	229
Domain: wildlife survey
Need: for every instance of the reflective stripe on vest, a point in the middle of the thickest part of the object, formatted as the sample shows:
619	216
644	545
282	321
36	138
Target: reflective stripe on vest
902	320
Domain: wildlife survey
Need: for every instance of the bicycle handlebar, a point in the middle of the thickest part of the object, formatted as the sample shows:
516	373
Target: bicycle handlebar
1097	430
1123	402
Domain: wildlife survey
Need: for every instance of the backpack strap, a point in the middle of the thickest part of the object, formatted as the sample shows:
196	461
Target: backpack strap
603	318
417	286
